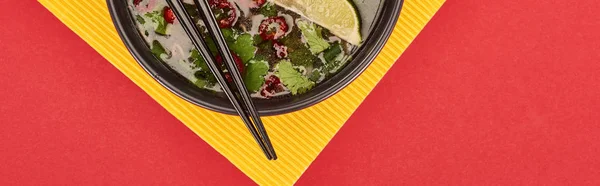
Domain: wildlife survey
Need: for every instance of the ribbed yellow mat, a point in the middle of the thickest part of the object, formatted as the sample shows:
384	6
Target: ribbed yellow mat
298	137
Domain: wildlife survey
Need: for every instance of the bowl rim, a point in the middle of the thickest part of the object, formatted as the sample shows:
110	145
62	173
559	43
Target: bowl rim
364	57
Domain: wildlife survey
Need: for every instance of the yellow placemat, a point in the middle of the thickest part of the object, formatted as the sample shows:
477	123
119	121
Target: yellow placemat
298	137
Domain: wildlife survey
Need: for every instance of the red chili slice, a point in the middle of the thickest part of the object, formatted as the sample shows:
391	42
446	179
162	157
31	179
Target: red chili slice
273	81
218	2
271	87
169	15
238	62
273	28
136	2
228	9
280	49
259	3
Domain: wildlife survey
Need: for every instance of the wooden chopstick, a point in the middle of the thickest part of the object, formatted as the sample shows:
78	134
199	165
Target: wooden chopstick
194	33
212	26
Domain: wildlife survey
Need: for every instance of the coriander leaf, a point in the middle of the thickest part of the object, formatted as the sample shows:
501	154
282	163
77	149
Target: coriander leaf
292	79
162	28
255	73
157	49
229	35
268	10
158	18
153	15
197	60
243	46
314	38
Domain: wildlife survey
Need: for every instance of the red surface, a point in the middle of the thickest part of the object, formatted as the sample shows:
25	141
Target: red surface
491	93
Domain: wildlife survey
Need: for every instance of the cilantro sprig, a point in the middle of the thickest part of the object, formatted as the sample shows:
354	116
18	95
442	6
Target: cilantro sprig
158	18
240	44
314	36
292	79
255	73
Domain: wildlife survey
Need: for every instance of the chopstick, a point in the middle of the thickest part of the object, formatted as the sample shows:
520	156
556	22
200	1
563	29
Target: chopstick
212	25
243	107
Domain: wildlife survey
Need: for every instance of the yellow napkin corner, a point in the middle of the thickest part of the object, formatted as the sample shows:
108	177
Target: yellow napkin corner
298	137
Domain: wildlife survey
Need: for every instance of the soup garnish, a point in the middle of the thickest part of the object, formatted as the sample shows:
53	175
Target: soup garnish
278	51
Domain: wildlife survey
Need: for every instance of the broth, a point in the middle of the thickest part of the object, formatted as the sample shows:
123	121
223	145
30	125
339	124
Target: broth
270	44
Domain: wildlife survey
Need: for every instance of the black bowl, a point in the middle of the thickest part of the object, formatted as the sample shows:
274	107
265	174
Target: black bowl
383	15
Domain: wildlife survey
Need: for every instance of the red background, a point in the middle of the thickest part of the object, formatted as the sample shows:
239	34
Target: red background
490	93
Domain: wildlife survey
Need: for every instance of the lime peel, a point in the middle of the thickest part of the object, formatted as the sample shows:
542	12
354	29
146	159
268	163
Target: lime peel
341	19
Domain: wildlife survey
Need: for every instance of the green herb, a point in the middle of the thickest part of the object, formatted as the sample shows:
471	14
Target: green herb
158	50
315	75
204	75
243	46
207	77
313	36
258	40
197	60
158	18
298	52
140	19
292	79
260	58
268	10
201	83
333	52
229	34
266	45
301	55
266	52
255	73
220	14
331	56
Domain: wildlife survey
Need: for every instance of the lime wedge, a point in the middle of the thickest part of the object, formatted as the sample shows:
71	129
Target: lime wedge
340	17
